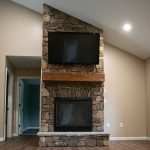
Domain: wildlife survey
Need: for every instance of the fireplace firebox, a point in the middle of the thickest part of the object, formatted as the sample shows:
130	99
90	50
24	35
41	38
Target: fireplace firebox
72	114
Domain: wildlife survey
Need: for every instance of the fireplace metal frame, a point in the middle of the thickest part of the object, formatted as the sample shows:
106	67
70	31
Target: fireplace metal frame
72	128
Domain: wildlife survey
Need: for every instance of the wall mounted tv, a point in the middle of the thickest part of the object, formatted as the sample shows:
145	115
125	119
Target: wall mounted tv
73	48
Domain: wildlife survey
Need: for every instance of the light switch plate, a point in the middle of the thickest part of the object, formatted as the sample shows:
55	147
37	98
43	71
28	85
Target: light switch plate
108	125
121	125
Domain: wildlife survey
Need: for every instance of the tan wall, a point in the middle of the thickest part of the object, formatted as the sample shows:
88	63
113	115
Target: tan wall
28	72
125	93
20	30
147	70
21	35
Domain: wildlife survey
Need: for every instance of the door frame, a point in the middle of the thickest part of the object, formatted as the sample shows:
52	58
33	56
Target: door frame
10	100
21	95
18	99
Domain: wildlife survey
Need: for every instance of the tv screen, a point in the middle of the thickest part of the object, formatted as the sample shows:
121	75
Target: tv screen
73	48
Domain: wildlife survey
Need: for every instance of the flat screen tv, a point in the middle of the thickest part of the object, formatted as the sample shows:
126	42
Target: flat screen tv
73	48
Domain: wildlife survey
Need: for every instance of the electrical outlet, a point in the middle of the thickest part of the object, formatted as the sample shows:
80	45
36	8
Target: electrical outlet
108	125
121	125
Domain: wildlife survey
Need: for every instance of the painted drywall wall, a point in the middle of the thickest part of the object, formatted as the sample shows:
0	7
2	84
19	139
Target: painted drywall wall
124	94
147	71
28	72
20	35
20	30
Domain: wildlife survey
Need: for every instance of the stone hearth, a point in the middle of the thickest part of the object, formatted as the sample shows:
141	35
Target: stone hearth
57	21
67	139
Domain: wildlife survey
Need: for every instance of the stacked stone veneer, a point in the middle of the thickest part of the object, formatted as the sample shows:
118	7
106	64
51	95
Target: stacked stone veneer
71	139
57	21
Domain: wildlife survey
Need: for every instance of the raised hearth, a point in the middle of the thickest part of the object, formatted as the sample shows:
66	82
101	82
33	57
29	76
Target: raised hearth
68	139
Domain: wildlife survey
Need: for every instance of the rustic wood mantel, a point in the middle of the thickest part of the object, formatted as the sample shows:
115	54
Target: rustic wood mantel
73	77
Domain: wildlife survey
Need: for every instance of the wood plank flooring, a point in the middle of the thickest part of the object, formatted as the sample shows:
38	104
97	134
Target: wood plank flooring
31	143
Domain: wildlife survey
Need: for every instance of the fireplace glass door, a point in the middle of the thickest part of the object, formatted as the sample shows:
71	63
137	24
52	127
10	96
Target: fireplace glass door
72	114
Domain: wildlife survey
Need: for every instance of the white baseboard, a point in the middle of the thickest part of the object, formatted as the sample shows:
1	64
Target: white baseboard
14	134
148	138
127	138
30	128
2	139
33	128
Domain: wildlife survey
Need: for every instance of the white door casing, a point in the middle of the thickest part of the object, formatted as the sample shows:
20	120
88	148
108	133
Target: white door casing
8	104
21	95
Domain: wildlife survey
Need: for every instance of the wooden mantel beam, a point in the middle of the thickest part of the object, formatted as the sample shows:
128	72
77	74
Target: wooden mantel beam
73	77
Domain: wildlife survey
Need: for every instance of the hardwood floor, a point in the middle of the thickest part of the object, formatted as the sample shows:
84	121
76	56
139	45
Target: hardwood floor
31	143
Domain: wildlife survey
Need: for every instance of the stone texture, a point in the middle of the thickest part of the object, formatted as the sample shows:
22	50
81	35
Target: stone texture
42	139
46	116
42	144
45	92
57	21
74	141
81	142
91	142
46	18
99	143
44	128
56	138
100	114
44	64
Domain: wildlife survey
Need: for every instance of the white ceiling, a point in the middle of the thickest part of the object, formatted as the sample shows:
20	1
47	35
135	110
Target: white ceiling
109	15
25	61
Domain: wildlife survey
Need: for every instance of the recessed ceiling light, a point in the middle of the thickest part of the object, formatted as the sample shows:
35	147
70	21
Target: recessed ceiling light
127	27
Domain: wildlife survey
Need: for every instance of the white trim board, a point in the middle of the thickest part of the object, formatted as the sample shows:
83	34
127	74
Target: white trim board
14	134
127	138
30	128
10	82
2	139
148	138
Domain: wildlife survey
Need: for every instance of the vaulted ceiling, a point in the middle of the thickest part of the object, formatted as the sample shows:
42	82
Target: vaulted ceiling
110	15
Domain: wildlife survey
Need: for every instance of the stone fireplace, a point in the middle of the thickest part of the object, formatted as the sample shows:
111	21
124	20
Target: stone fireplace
71	90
